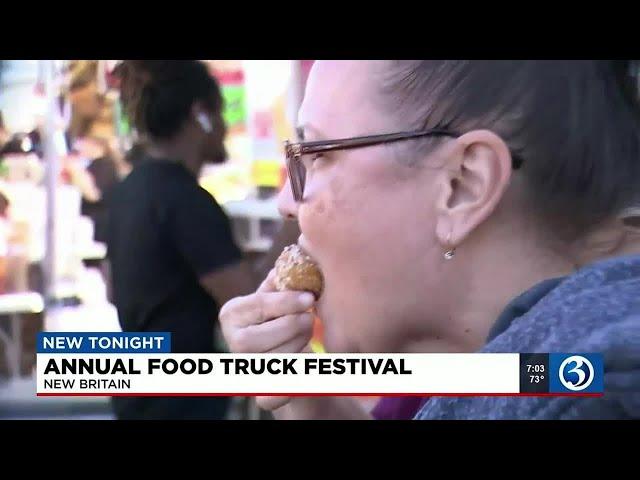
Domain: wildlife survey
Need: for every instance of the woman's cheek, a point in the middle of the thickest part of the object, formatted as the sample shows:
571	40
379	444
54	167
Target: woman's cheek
312	211
315	219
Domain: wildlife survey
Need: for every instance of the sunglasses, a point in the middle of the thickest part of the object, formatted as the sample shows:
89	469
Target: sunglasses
295	152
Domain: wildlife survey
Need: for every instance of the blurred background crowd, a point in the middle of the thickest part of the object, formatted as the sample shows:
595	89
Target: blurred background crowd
66	142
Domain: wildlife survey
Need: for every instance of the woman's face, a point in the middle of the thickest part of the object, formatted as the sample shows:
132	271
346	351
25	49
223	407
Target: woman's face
86	101
368	218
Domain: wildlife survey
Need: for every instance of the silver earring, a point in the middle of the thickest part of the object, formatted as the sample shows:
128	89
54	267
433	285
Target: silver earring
449	254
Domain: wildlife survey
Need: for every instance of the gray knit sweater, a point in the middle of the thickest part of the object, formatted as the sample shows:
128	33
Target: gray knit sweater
597	309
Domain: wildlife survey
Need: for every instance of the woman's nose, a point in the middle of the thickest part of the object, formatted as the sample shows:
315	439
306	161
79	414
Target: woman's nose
287	206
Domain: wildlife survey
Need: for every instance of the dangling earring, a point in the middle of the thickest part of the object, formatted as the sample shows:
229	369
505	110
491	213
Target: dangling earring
449	254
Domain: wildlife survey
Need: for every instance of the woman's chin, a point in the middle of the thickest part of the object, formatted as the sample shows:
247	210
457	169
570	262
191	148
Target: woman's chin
333	341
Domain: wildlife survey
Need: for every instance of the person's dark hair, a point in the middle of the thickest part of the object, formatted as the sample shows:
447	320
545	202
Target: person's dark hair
574	124
158	94
136	154
4	204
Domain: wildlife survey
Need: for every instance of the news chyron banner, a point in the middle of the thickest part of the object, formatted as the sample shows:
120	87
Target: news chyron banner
141	364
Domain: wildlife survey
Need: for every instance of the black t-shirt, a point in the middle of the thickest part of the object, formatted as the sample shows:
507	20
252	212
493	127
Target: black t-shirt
105	176
164	232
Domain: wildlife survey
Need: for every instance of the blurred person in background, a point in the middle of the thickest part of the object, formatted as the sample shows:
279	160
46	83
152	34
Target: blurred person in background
173	257
101	166
463	206
135	154
4	134
87	101
95	163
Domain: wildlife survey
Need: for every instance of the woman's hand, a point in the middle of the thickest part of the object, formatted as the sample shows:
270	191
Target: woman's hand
268	321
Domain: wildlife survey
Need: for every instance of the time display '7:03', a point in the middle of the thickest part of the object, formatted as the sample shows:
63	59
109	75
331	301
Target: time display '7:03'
536	373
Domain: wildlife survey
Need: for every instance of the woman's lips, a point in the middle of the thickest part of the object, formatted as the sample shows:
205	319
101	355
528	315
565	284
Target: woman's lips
305	249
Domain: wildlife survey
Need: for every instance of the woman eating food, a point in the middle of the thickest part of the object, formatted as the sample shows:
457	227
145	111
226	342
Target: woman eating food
462	206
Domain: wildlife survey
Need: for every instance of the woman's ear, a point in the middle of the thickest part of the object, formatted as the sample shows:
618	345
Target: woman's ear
474	180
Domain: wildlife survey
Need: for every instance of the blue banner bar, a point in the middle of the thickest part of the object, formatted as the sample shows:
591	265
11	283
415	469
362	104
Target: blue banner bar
103	342
576	373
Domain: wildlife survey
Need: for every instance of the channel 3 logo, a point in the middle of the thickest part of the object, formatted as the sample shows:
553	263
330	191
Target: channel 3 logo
576	373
